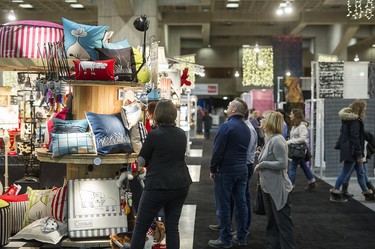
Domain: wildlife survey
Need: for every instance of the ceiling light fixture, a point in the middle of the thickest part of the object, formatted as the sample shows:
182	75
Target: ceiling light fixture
77	6
356	58
285	7
26	6
11	16
17	1
360	9
233	4
70	1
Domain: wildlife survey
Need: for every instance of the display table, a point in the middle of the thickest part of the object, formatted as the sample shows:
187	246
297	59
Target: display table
80	166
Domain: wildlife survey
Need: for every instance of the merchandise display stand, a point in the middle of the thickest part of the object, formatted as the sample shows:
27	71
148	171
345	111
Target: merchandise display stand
99	97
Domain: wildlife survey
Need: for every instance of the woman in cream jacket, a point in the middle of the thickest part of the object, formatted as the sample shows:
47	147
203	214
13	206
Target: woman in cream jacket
275	183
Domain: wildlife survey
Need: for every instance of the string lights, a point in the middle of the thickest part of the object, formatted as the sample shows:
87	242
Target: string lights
358	9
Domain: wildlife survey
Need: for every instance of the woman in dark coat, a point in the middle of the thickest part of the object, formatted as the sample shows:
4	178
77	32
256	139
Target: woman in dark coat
351	147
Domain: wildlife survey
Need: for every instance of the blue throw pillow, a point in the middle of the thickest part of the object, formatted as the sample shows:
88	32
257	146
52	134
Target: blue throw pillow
80	40
110	134
69	126
72	143
116	45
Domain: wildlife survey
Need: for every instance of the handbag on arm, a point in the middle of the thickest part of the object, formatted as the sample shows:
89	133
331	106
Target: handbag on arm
297	151
259	205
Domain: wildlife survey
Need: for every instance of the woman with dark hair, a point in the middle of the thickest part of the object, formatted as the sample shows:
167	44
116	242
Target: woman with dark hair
167	181
298	135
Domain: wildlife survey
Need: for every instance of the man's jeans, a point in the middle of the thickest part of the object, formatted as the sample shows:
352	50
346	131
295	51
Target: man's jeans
227	186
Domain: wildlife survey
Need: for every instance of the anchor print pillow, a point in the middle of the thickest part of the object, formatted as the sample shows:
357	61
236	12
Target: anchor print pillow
80	40
110	135
95	70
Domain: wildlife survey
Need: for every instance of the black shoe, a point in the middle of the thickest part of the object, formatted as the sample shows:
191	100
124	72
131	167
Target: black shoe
337	198
215	227
237	242
346	194
311	186
218	244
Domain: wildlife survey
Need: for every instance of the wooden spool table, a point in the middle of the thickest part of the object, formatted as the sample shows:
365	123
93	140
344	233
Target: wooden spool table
98	97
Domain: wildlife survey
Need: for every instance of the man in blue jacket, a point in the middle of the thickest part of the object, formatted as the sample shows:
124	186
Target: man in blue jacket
230	172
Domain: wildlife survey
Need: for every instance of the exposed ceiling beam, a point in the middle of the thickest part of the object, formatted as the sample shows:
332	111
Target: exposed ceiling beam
363	44
344	41
245	30
236	41
307	18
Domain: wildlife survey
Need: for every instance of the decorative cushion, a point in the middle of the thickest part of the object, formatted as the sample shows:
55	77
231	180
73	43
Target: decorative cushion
80	39
34	231
95	70
59	205
70	126
144	74
4	222
124	64
109	132
72	143
131	114
138	135
18	205
116	45
38	206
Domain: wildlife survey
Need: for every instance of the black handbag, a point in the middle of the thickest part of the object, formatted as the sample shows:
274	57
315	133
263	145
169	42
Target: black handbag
259	205
297	151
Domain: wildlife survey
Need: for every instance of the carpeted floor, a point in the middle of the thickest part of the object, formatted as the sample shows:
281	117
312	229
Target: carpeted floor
318	222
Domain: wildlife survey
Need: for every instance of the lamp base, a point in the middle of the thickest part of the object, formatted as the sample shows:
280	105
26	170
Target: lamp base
12	153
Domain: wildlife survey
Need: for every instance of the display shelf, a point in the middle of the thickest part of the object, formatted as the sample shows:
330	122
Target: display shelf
121	84
80	166
45	156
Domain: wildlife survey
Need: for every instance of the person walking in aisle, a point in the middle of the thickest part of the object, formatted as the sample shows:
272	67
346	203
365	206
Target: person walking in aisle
351	147
369	151
275	184
229	171
207	122
298	135
164	152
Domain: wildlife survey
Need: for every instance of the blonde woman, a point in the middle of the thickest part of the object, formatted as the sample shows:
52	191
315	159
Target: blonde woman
275	183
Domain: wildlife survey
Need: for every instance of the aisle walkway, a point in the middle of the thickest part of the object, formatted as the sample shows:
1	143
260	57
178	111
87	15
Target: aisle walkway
319	223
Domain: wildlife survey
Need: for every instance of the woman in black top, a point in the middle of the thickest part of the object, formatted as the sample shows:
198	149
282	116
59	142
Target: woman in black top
167	181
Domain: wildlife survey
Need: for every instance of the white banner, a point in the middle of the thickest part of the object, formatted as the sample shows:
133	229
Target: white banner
206	89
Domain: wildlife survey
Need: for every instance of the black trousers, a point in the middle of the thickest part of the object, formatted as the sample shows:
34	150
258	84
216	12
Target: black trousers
280	229
149	206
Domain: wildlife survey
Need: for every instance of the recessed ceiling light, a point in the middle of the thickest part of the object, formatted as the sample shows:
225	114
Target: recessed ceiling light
77	6
373	45
70	1
26	6
17	1
232	5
